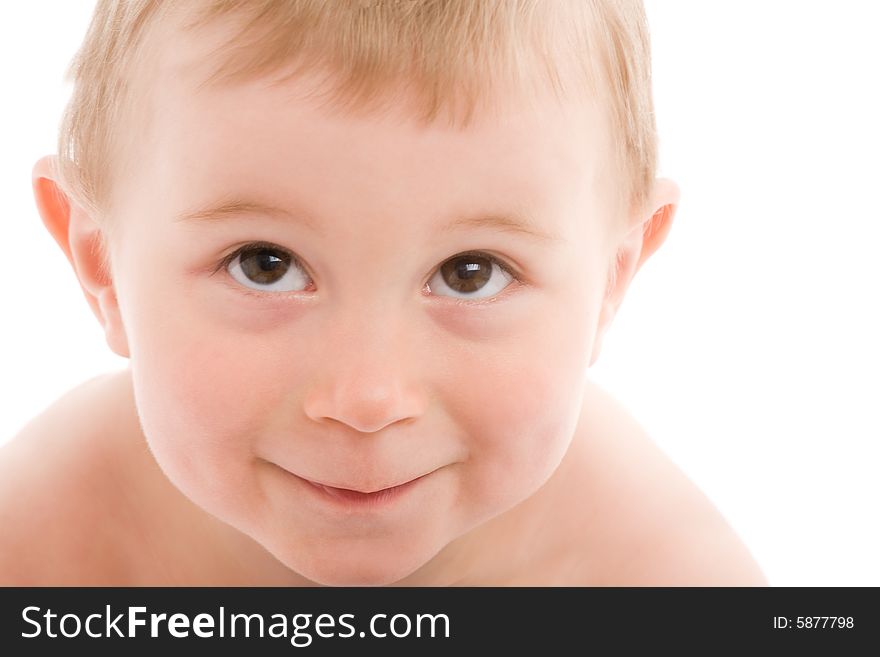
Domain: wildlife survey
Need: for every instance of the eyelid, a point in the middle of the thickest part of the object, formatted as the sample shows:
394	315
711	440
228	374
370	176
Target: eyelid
517	278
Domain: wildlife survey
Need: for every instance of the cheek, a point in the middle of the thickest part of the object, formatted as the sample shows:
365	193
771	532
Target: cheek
200	394
523	406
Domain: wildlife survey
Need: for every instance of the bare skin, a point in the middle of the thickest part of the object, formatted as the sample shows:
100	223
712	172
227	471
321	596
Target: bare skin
83	502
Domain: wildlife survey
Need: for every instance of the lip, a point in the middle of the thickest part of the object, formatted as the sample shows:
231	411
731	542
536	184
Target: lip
355	500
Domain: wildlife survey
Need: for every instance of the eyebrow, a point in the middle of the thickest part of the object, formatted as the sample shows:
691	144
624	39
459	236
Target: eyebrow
235	209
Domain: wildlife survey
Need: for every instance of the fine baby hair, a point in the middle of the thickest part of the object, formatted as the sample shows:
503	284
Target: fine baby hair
453	54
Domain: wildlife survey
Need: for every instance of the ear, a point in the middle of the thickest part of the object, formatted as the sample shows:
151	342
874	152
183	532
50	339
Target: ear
633	250
82	241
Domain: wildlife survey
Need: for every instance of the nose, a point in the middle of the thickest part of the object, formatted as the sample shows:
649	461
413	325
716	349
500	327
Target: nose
366	379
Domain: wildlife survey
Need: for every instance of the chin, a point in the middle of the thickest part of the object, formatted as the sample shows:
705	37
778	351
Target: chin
365	553
363	568
354	563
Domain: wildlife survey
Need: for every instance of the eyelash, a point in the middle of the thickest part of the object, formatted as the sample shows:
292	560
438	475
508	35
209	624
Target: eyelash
294	261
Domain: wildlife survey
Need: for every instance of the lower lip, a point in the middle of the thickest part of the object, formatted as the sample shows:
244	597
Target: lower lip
355	500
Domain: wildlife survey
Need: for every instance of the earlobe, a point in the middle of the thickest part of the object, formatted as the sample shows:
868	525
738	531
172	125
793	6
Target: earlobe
624	265
82	241
636	247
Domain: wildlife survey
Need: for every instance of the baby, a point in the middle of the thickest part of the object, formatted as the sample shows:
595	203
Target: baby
360	257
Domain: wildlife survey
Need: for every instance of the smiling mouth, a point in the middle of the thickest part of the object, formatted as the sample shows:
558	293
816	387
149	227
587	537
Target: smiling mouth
355	498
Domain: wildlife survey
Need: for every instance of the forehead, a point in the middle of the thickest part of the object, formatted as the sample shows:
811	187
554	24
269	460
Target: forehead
279	140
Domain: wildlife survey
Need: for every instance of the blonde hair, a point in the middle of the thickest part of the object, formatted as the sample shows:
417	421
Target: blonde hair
447	51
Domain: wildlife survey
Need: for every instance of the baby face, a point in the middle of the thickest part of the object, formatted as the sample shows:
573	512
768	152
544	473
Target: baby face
370	303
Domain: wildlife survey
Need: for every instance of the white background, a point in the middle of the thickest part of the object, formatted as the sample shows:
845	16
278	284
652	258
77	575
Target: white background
747	346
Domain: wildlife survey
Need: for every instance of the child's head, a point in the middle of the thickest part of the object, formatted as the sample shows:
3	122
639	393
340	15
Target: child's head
357	243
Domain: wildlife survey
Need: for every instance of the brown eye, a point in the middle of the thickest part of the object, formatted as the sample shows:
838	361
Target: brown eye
262	267
471	273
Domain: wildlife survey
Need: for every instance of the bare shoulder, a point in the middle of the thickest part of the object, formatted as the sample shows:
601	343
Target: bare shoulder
54	493
655	527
